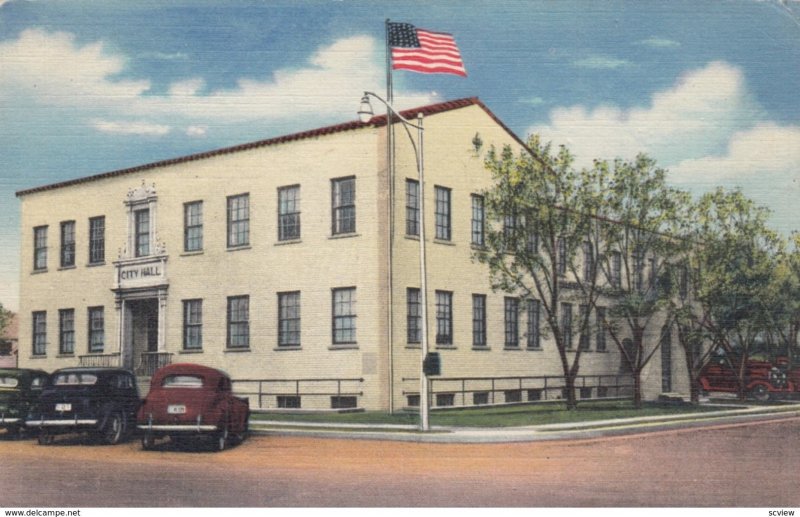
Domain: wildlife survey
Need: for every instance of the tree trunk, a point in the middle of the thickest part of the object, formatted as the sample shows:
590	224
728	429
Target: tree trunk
637	389
572	402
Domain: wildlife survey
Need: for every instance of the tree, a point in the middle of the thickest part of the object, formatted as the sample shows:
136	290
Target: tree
738	255
784	302
542	240
642	241
5	321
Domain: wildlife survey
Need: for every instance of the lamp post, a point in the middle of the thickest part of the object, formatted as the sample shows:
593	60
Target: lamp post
365	113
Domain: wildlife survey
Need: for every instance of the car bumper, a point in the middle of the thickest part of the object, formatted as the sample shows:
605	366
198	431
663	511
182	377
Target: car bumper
72	422
177	428
4	420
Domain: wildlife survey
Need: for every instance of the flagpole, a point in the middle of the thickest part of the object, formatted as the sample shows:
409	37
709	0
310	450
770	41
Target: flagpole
390	244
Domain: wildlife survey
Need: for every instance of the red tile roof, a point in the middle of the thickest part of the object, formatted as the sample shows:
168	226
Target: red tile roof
377	121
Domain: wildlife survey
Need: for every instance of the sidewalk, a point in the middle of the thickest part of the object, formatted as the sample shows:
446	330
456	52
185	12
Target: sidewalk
569	431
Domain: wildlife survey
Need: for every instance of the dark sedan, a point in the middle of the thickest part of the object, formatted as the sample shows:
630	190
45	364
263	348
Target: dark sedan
20	389
102	401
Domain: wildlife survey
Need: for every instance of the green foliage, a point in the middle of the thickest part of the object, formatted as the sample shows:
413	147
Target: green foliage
5	319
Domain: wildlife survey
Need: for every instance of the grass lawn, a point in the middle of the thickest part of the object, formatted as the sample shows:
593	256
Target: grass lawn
499	416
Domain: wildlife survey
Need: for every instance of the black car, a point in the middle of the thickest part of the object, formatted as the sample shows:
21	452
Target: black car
102	401
20	389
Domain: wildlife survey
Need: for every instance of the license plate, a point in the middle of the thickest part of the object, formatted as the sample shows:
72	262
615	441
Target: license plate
176	409
63	407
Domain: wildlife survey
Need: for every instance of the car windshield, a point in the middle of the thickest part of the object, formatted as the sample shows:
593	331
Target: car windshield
182	381
8	382
75	379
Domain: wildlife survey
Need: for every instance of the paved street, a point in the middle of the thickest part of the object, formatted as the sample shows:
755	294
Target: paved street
751	464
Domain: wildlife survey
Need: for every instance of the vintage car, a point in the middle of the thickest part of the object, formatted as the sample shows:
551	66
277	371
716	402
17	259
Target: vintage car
763	379
20	388
190	400
102	401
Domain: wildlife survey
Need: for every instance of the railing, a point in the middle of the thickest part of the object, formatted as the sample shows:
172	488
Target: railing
513	389
267	391
152	361
99	360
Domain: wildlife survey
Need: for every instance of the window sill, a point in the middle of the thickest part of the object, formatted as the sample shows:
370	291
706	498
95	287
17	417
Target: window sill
352	346
445	242
534	349
237	350
64	356
512	349
289	241
39	271
344	235
446	347
95	352
95	264
412	237
65	268
601	351
238	248
481	349
192	253
413	346
478	247
287	348
38	356
193	351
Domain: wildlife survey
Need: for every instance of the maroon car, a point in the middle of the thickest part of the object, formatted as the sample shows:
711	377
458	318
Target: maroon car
190	400
763	379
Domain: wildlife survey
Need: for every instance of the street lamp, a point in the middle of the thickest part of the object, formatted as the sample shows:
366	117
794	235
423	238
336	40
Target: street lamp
365	113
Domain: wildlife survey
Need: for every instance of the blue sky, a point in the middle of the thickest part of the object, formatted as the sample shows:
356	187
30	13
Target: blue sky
711	89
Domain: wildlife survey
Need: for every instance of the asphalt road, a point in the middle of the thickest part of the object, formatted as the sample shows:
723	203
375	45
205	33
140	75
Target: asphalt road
752	464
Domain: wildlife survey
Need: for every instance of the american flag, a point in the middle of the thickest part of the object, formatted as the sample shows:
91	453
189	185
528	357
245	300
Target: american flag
424	51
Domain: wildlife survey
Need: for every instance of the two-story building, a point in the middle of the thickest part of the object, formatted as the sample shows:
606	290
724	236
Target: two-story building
293	264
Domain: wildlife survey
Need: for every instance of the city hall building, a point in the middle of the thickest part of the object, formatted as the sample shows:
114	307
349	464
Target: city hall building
293	264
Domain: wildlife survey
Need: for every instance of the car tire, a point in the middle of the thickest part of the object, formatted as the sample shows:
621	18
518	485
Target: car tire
13	432
148	441
114	429
45	438
760	393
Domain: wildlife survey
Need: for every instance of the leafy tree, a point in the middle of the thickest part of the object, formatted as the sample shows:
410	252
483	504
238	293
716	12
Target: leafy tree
5	321
646	212
783	302
542	240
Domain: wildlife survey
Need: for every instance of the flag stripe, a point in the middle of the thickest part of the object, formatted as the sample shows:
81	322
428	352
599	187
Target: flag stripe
424	51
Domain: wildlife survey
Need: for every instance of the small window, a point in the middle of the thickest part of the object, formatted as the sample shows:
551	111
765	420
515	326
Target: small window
238	220
288	401
478	221
289	319
445	399
535	394
238	322
192	324
340	402
602	392
9	382
412	400
343	206
444	318
442	213
193	226
141	240
480	398
513	395
75	379
413	316
586	393
66	331
67	243
511	322
479	320
182	381
96	324
289	213
412	207
344	316
97	239
40	248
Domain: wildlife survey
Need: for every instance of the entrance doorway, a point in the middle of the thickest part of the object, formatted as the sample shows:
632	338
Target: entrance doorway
142	329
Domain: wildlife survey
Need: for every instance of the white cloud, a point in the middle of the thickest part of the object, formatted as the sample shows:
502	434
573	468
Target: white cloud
659	42
130	128
600	63
693	118
51	69
196	131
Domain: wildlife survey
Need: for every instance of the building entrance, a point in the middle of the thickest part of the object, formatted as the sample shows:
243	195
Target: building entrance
141	331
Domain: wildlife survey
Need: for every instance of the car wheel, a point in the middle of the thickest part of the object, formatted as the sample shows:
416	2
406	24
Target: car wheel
13	431
221	439
760	393
114	429
45	437
148	441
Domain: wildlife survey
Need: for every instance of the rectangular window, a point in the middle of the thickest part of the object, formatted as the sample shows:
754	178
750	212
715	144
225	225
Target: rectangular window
344	402
583	341
512	396
343	206
238	322
562	256
533	241
238	220
289	319
412	207
588	262
66	331
289	213
192	324
40	247
97	240
344	316
444	318
566	324
638	271
510	229
600	316
97	329
480	398
67	243
534	335
512	322
193	226
445	399
478	221
442	213
414	315
478	320
39	321
616	269
142	232
288	401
